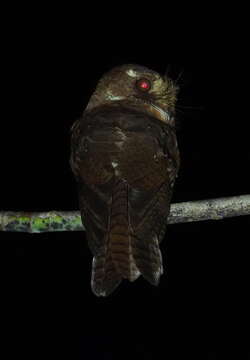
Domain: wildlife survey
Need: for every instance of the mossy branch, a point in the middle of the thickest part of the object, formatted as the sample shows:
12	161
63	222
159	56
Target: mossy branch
38	222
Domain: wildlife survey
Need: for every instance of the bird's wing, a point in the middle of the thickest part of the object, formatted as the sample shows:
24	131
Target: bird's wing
114	149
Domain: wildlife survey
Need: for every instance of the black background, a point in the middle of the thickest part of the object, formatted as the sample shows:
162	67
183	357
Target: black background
52	62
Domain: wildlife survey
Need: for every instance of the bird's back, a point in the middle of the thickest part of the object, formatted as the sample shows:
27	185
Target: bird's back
125	164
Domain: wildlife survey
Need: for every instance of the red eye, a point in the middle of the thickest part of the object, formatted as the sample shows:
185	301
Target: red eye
143	84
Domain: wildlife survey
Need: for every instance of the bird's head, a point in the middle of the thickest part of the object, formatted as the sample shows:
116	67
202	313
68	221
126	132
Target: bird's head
139	87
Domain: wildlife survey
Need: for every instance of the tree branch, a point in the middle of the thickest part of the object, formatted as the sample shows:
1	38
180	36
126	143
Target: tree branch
38	222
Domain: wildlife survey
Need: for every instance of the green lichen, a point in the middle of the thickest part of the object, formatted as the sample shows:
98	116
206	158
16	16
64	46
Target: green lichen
55	222
40	224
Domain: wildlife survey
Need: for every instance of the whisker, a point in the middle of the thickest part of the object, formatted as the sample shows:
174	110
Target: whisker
167	71
179	76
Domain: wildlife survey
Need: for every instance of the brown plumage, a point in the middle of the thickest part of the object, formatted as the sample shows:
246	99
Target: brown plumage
125	158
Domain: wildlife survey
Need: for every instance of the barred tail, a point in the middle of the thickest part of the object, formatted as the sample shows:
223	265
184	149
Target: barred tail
124	255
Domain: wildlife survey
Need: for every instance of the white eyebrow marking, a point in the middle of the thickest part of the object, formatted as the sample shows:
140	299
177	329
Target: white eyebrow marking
131	73
112	97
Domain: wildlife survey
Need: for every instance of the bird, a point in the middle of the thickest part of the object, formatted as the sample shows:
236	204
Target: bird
125	159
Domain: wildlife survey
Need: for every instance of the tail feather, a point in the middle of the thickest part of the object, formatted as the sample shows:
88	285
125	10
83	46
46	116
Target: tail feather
124	255
120	233
105	278
148	259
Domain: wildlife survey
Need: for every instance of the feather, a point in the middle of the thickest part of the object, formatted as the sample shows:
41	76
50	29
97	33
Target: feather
125	158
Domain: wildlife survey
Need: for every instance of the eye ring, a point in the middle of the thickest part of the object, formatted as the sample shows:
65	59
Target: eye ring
143	84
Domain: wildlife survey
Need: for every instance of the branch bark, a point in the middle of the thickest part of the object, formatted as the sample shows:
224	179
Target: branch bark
211	209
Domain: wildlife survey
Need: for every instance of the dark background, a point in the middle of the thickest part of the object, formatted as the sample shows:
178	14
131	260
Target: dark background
52	62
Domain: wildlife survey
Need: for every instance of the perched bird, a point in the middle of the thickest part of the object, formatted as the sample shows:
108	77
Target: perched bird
125	158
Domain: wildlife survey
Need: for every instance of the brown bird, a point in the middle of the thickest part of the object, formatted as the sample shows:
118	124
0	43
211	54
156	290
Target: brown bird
125	158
